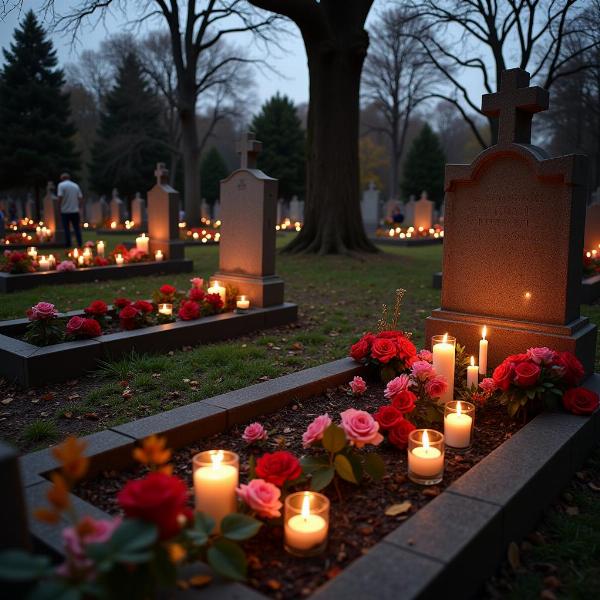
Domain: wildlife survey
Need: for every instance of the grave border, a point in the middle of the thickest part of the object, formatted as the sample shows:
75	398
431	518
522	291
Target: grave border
503	503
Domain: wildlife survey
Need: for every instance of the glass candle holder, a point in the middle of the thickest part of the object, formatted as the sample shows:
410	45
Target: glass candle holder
216	476
425	456
459	418
306	523
443	348
165	309
242	304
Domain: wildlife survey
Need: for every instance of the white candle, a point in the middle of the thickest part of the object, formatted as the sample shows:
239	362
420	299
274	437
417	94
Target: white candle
483	352
113	225
165	309
32	252
425	461
216	288
100	248
457	428
119	259
243	303
472	374
44	264
214	488
444	357
141	243
52	261
80	261
305	531
158	256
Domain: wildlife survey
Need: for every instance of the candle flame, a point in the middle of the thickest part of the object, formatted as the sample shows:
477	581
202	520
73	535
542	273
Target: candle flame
472	361
425	440
458	408
484	332
305	512
445	338
217	458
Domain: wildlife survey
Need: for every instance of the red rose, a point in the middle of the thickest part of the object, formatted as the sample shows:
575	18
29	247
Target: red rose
527	374
197	294
167	290
143	306
388	416
189	310
157	498
121	302
278	467
75	325
214	300
128	316
572	369
406	349
502	375
384	349
100	261
517	358
91	328
390	335
97	308
404	401
580	401
398	435
360	350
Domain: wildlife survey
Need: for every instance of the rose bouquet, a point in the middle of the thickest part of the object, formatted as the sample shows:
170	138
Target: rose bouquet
82	328
15	262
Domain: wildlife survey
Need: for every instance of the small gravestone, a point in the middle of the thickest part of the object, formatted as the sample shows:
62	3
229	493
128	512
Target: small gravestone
247	246
592	227
138	212
513	241
204	209
409	212
296	210
117	209
423	212
163	216
369	207
30	211
52	218
95	216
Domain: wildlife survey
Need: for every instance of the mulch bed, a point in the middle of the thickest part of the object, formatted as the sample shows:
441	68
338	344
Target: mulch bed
357	522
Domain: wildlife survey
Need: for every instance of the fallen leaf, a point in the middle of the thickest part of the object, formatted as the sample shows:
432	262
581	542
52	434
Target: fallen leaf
91	416
73	397
35	401
44	414
67	415
334	571
594	487
200	580
264	378
398	509
49	396
127	393
297	346
7	400
514	557
273	584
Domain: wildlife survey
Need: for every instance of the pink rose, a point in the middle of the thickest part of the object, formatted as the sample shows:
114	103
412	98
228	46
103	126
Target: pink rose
360	428
314	432
541	355
42	311
261	497
358	386
197	282
425	355
436	386
422	370
255	432
75	324
397	385
66	265
488	385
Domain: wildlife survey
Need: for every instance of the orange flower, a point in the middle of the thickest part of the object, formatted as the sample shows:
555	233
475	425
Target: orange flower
46	515
70	455
153	452
58	496
176	552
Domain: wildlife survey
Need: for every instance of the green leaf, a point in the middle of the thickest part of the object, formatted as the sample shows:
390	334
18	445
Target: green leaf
55	589
356	462
513	407
321	478
16	565
204	523
334	438
374	466
227	559
314	463
164	570
344	468
239	527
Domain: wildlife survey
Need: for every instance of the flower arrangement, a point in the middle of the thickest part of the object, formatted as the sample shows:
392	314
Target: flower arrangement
44	326
15	261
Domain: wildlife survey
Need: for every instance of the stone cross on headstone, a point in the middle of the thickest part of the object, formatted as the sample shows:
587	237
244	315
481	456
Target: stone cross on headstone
248	148
513	240
161	173
514	106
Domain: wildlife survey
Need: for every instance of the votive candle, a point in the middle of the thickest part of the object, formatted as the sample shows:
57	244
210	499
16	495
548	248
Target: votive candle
141	243
472	374
32	252
306	523
444	358
119	259
44	264
426	456
100	248
158	256
81	260
217	288
165	309
242	303
483	352
52	261
458	423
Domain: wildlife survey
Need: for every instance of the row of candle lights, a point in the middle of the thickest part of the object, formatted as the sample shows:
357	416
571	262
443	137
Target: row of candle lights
242	305
410	231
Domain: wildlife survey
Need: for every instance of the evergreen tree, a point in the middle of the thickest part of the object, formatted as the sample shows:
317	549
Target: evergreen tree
212	170
283	155
424	167
131	137
36	142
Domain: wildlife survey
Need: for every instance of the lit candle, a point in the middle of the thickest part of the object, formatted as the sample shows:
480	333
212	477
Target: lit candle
76	254
119	259
52	261
100	248
141	243
32	252
242	303
165	309
87	255
472	374
305	531
444	357
44	264
216	288
425	456
158	256
483	352
215	482
81	261
113	225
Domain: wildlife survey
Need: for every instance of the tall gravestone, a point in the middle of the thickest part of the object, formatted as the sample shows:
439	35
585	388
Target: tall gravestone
513	243
296	210
204	209
117	208
409	212
52	218
247	246
30	209
423	215
138	212
369	208
163	216
592	227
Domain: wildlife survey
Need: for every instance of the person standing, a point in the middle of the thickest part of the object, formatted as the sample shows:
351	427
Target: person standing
70	201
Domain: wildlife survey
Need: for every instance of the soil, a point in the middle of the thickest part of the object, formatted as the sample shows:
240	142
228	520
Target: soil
357	521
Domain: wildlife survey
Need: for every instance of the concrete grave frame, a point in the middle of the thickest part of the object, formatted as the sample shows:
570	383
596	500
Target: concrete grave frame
10	282
31	365
471	523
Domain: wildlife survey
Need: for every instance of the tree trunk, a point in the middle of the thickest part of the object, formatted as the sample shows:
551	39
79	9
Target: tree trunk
191	169
332	217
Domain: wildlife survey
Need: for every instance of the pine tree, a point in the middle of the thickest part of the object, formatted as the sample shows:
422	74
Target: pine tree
36	140
212	170
424	167
131	137
283	155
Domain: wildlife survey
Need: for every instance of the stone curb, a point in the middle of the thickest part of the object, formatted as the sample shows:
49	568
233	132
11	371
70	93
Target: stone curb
31	365
471	523
410	243
25	281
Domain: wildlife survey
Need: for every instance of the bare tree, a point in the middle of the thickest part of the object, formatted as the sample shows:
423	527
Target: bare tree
488	36
397	77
